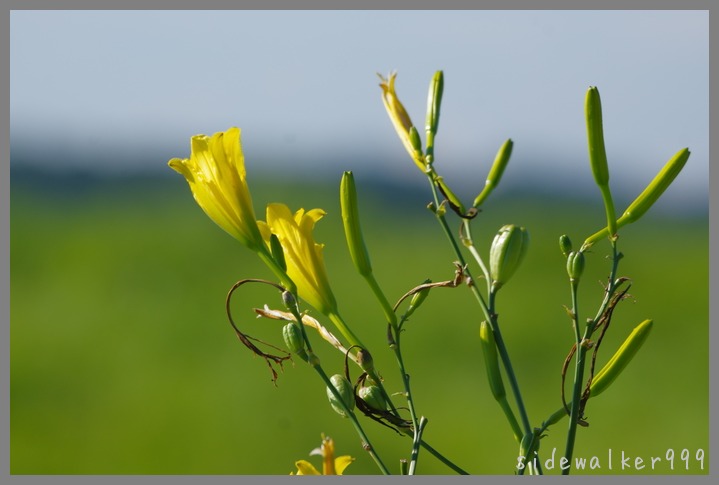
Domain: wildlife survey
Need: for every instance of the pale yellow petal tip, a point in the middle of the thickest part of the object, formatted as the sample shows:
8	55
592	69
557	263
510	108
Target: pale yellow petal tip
306	468
343	462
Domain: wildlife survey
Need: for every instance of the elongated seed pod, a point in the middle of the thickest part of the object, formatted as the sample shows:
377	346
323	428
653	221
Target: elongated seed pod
603	379
491	362
344	388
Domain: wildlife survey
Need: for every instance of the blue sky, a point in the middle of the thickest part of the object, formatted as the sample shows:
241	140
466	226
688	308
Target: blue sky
122	91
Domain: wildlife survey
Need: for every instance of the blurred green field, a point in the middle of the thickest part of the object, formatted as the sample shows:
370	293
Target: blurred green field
122	361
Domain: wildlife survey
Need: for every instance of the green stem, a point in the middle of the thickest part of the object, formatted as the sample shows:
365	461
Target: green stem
489	315
416	443
507	362
442	458
581	351
379	294
339	322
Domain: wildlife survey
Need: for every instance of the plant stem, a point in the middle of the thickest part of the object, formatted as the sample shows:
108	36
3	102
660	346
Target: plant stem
416	444
582	351
489	315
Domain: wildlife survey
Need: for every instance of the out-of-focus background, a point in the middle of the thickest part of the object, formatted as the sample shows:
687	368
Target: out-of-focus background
122	361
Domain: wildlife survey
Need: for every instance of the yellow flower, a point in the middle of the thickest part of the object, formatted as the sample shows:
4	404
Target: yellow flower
303	256
216	174
330	464
400	119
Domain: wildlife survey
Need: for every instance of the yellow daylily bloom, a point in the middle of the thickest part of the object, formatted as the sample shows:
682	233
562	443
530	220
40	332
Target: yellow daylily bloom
400	119
216	174
303	256
304	260
330	464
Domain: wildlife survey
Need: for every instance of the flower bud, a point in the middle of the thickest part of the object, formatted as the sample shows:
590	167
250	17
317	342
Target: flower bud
278	254
595	137
351	222
575	265
434	100
344	389
489	349
373	396
656	188
292	335
365	361
495	173
565	245
399	117
648	197
447	192
417	299
508	249
620	359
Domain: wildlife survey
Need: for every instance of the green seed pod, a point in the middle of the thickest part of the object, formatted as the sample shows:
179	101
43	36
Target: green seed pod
575	266
508	249
344	388
373	396
292	335
351	222
491	362
495	173
603	379
434	100
565	245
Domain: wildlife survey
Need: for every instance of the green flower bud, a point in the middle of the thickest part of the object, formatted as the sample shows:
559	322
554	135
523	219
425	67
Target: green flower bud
565	245
451	197
598	155
415	142
417	299
491	362
373	396
351	222
656	188
508	249
292	335
575	265
595	137
278	253
649	196
434	100
620	359
495	173
344	389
